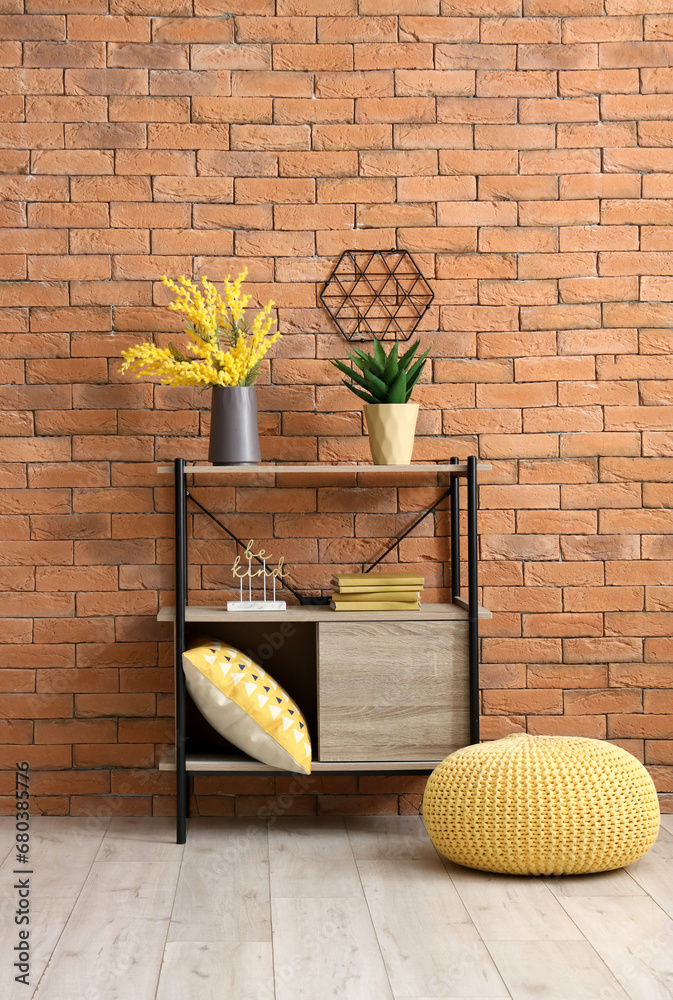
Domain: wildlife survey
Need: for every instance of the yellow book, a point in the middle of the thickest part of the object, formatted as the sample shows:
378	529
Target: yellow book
374	588
408	580
377	594
377	606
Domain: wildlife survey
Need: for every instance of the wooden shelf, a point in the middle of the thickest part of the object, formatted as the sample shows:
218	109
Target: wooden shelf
214	764
460	469
317	613
377	687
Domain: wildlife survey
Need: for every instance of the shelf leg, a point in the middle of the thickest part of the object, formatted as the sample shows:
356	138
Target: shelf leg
455	533
182	804
473	597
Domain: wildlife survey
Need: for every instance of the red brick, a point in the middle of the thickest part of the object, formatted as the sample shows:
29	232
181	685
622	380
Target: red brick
659	751
75	54
399	109
363	83
185	82
560	574
105	81
564	625
434	29
529	702
34	706
129	755
374	56
114	705
525	137
153	7
361	805
601	650
566	676
443	83
591	726
355	29
607	547
144	730
188	29
652	726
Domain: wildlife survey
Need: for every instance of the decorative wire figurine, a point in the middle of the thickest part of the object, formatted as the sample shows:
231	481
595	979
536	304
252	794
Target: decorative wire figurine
241	573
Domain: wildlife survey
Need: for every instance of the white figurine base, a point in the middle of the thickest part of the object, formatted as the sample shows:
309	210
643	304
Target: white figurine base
256	606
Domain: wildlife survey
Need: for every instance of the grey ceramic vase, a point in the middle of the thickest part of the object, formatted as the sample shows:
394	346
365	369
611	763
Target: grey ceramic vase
234	431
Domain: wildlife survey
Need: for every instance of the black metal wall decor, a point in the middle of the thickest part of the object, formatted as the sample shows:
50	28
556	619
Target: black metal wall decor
376	294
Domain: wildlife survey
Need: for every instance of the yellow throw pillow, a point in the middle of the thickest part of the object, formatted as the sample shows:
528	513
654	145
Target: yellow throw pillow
247	706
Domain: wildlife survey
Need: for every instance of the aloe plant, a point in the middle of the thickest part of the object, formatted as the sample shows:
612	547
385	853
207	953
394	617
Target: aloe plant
383	378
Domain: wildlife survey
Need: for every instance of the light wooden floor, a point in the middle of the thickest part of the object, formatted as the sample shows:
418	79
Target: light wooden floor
312	909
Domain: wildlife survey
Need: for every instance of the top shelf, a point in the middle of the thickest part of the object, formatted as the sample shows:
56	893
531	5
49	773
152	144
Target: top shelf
459	469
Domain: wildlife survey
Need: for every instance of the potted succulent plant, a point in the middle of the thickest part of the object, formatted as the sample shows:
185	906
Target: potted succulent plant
227	357
385	382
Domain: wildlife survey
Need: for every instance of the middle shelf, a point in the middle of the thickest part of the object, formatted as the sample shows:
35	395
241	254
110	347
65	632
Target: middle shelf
317	613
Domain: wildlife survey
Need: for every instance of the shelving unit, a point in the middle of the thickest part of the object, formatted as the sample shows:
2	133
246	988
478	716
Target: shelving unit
381	691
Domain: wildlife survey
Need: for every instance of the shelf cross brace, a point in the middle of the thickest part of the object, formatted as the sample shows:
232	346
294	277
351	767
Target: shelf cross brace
190	496
445	495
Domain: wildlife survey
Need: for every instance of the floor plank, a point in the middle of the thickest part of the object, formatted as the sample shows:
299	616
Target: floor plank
377	838
133	839
213	971
223	889
114	940
663	846
655	876
509	907
430	946
634	937
7	836
554	970
615	883
62	850
312	857
326	949
48	917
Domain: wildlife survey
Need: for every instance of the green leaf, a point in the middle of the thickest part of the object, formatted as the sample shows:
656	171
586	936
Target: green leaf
253	374
416	369
364	366
405	360
376	386
392	367
176	354
367	361
411	382
411	385
363	395
380	355
351	373
398	390
342	366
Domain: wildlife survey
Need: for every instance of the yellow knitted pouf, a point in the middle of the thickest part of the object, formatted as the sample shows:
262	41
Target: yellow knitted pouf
541	805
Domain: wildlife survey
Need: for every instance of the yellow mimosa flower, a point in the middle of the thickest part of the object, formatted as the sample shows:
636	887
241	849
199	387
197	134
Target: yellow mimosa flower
227	351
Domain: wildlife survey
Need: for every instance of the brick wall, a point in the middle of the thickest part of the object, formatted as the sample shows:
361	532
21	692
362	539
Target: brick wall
521	149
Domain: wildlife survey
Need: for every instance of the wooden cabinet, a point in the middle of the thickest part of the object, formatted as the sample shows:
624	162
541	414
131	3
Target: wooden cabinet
392	691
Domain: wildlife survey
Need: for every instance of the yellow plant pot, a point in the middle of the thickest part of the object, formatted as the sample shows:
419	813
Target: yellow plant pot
391	428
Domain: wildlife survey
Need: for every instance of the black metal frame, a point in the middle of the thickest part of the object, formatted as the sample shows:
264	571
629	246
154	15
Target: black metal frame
181	596
335	297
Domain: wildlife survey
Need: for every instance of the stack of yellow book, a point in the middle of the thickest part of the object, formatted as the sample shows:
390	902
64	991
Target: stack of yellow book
377	592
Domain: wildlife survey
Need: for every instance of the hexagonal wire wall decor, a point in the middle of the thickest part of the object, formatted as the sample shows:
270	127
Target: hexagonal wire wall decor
376	294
